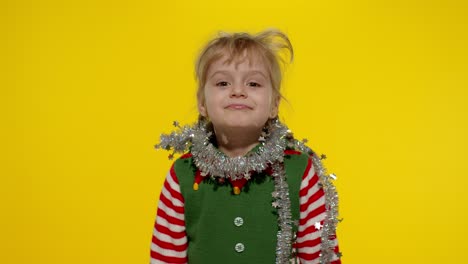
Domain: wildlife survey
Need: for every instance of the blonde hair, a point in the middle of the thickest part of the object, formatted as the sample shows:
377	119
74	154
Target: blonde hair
267	45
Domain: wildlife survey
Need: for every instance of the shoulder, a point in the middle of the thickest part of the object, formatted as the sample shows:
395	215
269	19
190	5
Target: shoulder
307	163
296	156
184	169
297	162
185	158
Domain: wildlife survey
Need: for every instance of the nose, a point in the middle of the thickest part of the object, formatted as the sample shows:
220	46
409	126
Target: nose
238	90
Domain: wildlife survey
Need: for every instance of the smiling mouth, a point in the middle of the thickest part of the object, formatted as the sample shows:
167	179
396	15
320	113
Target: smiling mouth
238	107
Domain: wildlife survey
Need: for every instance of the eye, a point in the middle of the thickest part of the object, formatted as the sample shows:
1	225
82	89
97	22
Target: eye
253	84
222	83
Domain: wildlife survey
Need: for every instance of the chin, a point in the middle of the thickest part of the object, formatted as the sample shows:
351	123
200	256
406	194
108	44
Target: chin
244	126
239	123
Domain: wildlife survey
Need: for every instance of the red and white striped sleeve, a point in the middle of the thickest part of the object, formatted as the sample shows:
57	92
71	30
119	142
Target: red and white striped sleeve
312	215
169	241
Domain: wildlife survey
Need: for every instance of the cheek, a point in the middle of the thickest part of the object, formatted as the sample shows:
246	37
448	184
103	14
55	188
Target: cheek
268	100
272	105
210	102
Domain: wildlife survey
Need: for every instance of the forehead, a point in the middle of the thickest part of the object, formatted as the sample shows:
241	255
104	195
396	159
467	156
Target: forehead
247	61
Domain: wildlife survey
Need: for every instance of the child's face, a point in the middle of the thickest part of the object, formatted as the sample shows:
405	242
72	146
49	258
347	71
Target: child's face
238	96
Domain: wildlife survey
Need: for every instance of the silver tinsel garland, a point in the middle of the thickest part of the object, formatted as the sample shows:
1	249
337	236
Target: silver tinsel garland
285	234
275	139
210	161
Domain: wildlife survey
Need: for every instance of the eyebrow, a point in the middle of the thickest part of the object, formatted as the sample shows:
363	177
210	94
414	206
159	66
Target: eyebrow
249	72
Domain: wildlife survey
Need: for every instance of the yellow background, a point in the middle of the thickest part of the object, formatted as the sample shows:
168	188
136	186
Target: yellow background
88	86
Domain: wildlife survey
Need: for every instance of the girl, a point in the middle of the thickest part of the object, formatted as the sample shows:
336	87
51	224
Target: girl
245	191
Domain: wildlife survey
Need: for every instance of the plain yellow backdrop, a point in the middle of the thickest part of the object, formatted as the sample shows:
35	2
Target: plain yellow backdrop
380	87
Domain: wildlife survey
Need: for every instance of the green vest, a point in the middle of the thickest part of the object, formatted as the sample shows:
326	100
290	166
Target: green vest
226	228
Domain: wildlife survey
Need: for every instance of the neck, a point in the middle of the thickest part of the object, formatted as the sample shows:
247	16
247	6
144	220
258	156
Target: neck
235	143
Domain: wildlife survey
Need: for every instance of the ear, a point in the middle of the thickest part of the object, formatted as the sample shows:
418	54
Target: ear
202	108
274	107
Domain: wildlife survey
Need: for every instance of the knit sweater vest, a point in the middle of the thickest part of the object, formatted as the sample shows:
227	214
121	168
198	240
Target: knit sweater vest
225	228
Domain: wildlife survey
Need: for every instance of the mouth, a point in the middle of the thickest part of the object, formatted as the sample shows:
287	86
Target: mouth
238	107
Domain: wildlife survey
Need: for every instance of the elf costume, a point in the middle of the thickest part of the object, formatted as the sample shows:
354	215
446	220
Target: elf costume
274	205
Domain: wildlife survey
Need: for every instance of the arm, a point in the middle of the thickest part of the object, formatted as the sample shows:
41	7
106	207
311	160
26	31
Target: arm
312	215
169	241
